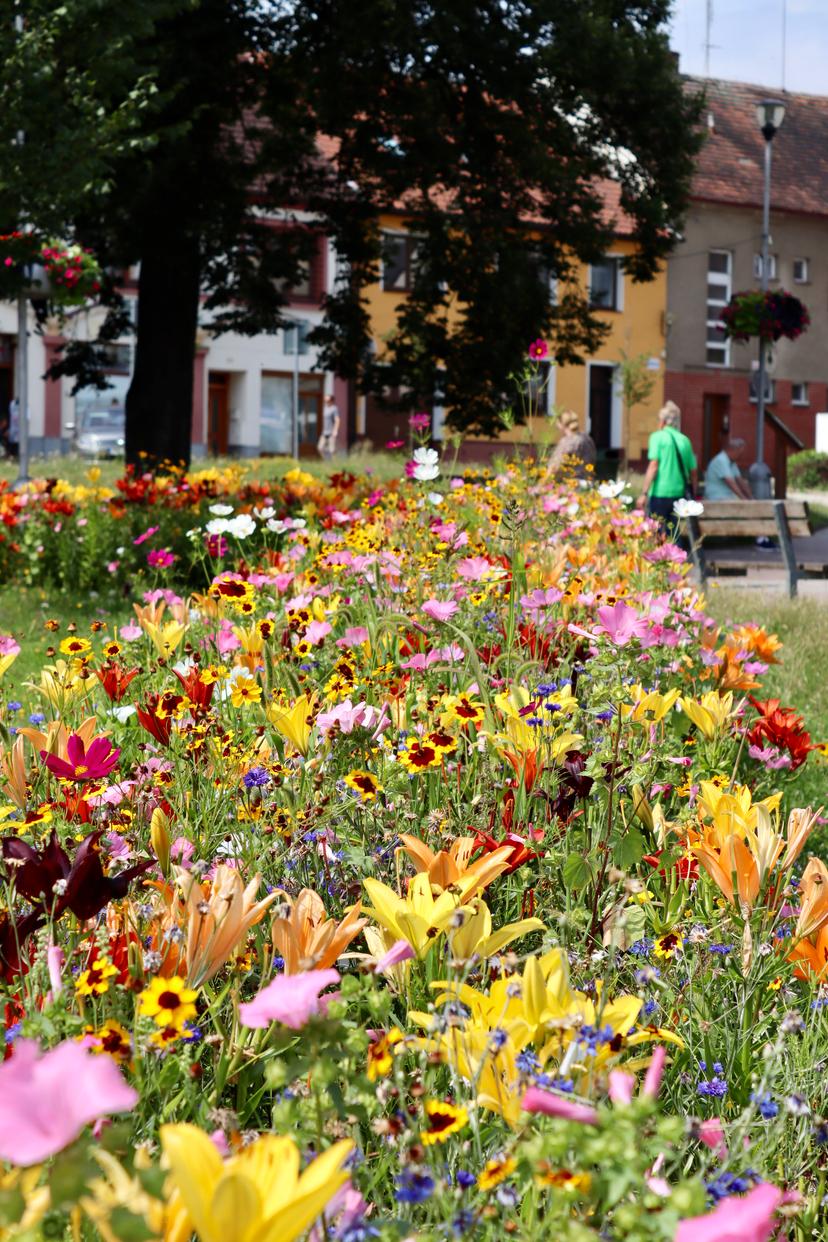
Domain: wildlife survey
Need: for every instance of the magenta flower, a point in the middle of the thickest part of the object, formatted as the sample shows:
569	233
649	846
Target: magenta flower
621	623
621	1086
419	422
160	558
440	609
538	350
290	999
538	1101
82	764
146	535
316	631
750	1218
400	951
46	1100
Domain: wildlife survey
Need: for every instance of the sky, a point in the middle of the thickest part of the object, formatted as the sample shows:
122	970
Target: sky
747	43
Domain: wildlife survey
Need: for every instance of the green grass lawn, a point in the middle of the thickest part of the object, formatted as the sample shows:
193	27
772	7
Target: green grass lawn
799	680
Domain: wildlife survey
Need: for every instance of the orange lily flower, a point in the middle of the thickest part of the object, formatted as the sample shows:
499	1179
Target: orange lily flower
54	738
447	866
810	948
304	935
13	770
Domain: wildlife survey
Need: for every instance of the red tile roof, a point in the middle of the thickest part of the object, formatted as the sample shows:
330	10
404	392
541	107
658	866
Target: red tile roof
730	168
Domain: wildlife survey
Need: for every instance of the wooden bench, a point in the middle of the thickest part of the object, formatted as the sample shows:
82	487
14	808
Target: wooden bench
783	520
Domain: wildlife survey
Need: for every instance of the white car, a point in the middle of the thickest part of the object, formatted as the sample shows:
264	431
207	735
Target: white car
102	434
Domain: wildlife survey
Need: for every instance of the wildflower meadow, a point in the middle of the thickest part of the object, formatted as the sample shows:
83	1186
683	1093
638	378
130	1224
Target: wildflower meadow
399	860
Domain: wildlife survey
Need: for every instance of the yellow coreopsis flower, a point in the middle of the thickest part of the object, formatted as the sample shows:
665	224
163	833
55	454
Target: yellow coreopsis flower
295	723
711	713
244	690
257	1195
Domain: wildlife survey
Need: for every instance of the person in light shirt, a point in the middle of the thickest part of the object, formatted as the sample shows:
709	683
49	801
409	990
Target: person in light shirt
723	478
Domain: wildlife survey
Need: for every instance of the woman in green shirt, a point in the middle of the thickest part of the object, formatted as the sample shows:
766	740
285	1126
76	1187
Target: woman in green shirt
672	471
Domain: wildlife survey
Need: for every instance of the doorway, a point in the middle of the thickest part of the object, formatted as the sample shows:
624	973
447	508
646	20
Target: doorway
716	424
601	405
218	412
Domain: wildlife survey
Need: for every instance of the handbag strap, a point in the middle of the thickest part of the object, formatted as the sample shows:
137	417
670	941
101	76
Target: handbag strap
679	458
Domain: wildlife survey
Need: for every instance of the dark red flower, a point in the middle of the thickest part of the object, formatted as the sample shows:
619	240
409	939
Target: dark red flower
53	883
115	678
520	854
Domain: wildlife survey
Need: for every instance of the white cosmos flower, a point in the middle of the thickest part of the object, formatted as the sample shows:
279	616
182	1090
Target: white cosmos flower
218	526
122	714
264	514
426	456
241	526
612	488
221	510
424	474
276	526
688	508
436	498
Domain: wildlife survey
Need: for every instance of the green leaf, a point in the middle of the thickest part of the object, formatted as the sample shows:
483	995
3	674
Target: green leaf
12	1206
631	848
129	1227
576	871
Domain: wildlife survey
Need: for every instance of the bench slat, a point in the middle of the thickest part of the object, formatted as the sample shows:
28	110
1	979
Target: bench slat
743	527
752	509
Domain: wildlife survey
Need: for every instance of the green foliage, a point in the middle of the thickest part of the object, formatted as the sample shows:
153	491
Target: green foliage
808	470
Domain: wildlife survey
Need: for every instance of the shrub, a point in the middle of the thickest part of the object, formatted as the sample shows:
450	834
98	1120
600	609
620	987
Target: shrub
808	470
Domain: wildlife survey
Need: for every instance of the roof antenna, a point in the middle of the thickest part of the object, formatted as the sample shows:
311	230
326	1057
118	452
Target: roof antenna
708	30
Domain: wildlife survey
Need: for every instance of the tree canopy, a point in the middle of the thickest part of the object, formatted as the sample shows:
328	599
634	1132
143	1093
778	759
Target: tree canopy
178	130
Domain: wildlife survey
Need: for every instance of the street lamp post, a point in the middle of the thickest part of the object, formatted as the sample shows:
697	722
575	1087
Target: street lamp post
770	114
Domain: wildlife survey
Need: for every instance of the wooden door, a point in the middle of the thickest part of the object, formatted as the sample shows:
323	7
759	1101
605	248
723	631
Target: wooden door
600	405
716	423
218	413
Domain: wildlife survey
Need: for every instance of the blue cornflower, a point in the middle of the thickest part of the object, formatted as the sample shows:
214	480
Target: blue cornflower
714	1086
191	1034
527	1062
647	974
497	1039
361	1231
727	1184
546	688
37	718
414	1186
278	963
553	707
649	1008
642	948
605	716
464	1179
12	1032
256	778
535	721
463	1222
506	1196
13	706
555	1084
721	949
767	1106
718	1068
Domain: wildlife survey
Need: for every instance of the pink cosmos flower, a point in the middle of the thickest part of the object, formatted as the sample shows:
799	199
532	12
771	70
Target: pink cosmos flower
316	631
473	568
129	633
621	1086
655	1070
82	764
621	623
347	717
419	422
160	558
400	951
750	1218
8	645
538	1101
440	609
538	350
711	1133
289	999
354	636
46	1099
146	535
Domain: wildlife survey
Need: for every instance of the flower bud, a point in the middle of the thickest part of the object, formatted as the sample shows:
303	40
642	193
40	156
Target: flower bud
160	838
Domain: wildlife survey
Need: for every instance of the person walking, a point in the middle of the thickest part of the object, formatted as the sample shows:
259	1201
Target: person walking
723	478
574	451
326	445
672	470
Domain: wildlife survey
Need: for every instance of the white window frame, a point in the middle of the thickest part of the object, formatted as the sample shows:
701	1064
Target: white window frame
725	281
757	266
619	285
771	383
805	398
805	278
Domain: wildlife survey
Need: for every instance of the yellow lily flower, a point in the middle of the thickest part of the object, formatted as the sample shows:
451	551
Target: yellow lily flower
296	723
165	638
711	713
257	1195
421	917
61	684
476	938
648	707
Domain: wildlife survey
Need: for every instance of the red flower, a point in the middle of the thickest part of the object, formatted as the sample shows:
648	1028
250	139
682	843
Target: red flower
780	727
538	350
199	693
115	678
520	854
159	727
83	765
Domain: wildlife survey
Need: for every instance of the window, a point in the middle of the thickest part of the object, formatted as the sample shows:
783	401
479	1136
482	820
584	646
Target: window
277	413
719	289
757	266
770	388
399	261
799	394
801	273
605	284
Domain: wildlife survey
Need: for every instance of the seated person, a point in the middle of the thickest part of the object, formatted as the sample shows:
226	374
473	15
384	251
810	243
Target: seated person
723	478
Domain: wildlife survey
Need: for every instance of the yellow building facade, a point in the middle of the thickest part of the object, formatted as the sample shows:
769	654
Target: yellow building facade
635	314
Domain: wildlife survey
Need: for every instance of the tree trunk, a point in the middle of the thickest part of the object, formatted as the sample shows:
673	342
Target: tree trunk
159	404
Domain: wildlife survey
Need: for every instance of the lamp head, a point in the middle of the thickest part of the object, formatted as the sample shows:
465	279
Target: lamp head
770	113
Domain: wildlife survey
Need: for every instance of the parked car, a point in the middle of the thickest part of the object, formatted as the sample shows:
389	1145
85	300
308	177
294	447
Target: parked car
101	434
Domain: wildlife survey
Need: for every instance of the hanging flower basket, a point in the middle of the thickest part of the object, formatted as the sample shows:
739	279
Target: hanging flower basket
770	315
47	270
